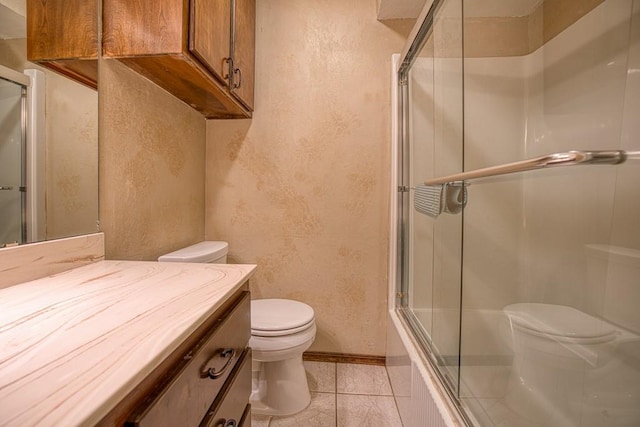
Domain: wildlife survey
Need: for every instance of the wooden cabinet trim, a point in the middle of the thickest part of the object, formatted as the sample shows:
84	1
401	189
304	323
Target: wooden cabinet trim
184	78
244	51
210	35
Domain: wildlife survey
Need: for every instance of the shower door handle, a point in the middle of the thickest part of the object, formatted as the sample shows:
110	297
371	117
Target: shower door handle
569	158
6	188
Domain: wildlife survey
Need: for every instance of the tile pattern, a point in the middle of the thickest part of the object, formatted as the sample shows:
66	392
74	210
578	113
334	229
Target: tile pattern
362	379
366	411
321	376
342	395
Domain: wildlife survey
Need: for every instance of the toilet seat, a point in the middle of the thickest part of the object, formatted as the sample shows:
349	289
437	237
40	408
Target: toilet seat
560	323
280	317
286	343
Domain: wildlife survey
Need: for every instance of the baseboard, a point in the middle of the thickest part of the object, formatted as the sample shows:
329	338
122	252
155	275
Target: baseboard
319	356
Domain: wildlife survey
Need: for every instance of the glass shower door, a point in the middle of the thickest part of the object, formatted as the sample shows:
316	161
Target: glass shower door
12	143
431	282
526	303
551	273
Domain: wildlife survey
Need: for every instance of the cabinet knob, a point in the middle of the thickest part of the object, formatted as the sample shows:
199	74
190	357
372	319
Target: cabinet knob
226	353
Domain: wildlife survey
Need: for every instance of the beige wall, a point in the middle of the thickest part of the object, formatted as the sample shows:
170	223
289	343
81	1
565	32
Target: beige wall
71	157
152	149
302	188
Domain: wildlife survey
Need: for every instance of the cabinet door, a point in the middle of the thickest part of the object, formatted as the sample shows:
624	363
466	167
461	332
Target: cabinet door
210	35
244	51
62	29
62	35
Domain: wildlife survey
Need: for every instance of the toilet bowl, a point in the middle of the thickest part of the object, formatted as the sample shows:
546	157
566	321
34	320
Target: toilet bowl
281	330
559	352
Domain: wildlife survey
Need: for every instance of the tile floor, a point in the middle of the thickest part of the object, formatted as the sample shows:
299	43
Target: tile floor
342	395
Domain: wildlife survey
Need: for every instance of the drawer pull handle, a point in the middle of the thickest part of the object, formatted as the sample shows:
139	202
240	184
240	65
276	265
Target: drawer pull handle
239	74
230	354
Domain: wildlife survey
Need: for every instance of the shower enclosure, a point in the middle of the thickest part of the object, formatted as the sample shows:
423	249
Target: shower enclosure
12	156
520	281
22	156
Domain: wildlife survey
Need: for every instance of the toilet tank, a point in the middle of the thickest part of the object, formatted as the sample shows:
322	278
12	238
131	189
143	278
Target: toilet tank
613	283
212	252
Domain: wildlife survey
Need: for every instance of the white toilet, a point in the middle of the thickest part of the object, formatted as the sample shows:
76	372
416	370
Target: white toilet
281	330
569	367
558	351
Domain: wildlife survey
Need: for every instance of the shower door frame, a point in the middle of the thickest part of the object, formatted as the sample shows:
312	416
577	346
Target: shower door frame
22	81
33	215
418	37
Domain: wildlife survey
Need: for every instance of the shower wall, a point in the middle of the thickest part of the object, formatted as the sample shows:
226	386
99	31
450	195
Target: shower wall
538	78
577	84
526	239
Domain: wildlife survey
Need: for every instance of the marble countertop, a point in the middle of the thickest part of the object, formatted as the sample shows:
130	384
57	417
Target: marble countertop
74	344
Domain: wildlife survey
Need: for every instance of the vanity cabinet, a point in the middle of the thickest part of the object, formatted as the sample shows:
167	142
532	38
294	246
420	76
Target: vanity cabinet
201	51
62	35
205	382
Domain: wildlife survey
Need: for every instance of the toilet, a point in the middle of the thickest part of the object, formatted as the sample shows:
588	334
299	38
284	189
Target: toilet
567	367
281	330
554	348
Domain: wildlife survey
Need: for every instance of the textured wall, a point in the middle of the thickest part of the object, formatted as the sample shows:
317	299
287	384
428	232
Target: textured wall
302	188
72	157
152	150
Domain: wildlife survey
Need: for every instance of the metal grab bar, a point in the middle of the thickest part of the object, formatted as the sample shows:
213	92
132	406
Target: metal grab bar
570	158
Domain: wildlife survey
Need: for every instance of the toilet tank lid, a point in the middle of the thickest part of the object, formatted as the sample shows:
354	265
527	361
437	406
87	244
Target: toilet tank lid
279	314
206	251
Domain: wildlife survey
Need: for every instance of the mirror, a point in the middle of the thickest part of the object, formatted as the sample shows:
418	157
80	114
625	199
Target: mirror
48	142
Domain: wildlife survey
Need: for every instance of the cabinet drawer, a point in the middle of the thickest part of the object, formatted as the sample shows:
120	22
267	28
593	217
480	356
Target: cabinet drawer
230	409
186	395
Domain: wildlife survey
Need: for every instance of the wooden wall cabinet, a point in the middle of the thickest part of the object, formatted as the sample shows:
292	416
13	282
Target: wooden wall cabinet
62	35
201	51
